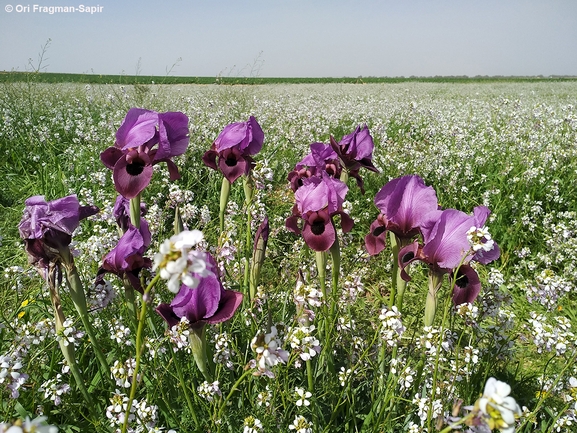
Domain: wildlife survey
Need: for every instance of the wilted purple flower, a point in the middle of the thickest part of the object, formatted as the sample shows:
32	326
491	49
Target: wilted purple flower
322	158
446	247
317	201
209	302
405	203
356	151
133	156
234	147
47	227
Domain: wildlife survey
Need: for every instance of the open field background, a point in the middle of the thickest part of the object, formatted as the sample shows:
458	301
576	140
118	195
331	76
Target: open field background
53	77
511	146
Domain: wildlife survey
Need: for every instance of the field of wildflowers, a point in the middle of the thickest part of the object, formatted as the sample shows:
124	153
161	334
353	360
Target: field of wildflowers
298	258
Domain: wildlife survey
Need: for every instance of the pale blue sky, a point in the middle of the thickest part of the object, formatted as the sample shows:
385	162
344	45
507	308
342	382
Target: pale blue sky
297	38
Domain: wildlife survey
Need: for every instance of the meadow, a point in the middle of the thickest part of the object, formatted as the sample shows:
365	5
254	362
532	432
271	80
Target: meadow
342	356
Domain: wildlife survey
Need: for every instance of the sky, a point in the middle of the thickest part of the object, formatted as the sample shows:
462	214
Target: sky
292	38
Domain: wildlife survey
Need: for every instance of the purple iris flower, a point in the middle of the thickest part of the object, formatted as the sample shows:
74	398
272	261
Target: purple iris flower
317	201
322	158
356	151
207	303
47	227
127	259
234	147
446	247
405	203
134	152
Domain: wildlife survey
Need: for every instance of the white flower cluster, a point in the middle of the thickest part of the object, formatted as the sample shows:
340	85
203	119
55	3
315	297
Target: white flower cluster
301	425
222	350
263	175
468	312
68	334
548	290
54	389
11	375
122	373
143	414
268	352
344	375
392	328
99	295
177	262
498	409
301	397
353	287
31	334
424	405
252	425
263	398
120	333
179	336
547	337
37	425
177	195
305	298
305	295
480	239
303	342
208	390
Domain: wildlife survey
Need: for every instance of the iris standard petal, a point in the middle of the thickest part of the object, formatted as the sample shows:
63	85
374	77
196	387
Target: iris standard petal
256	138
199	303
449	246
173	135
137	129
406	201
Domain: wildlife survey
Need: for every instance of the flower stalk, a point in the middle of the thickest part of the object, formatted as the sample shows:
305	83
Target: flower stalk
435	282
197	340
224	194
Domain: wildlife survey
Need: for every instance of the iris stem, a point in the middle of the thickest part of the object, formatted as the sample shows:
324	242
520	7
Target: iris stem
435	282
197	339
139	346
224	194
128	289
248	198
395	273
310	376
